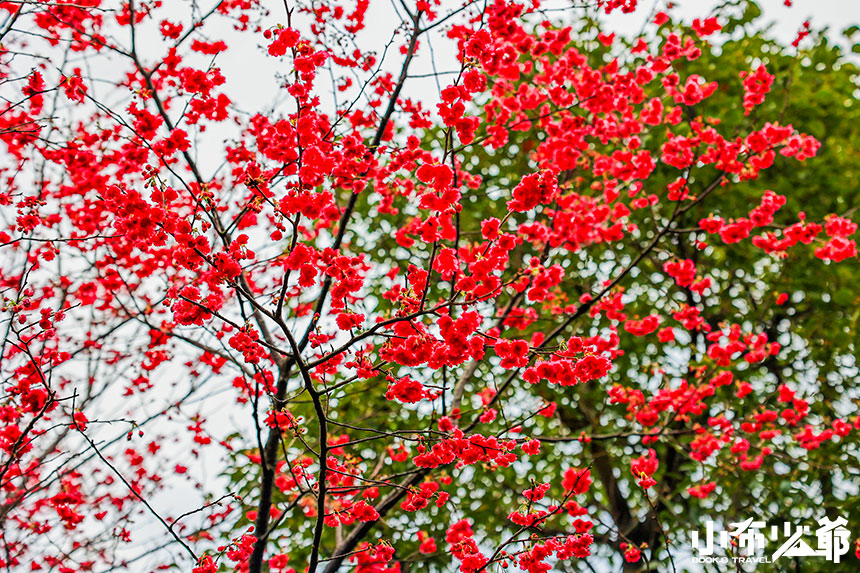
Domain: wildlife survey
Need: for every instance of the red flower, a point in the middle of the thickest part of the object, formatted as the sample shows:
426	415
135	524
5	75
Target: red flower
576	481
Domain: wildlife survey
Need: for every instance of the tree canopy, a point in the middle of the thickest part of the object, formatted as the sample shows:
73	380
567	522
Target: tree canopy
601	293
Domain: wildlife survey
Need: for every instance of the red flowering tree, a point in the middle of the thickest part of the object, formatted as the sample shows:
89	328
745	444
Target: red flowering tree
560	319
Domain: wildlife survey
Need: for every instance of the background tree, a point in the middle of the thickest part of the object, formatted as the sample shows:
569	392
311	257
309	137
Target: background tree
602	293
